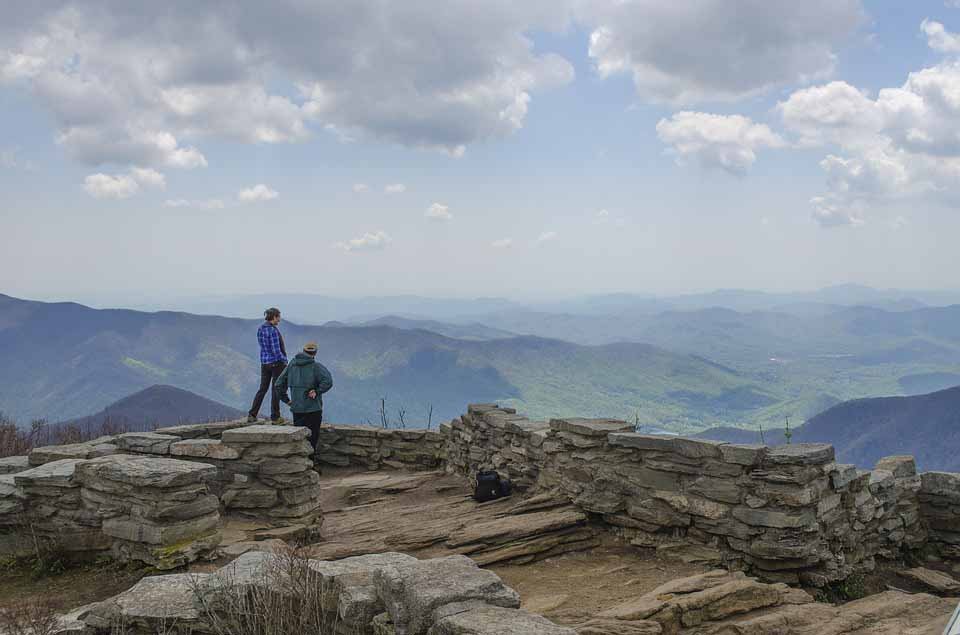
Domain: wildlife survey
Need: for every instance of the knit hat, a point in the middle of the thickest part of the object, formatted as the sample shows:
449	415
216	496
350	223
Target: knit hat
310	348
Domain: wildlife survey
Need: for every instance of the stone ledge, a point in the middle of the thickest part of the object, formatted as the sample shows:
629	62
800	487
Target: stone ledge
590	427
265	434
801	454
690	448
60	473
144	471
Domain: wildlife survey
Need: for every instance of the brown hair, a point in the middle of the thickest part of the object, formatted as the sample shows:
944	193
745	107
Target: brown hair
271	313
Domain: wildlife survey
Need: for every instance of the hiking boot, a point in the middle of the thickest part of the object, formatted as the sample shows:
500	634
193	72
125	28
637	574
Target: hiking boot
251	419
280	421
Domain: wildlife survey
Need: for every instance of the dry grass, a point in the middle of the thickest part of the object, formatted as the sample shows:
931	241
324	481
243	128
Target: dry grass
34	617
15	440
288	600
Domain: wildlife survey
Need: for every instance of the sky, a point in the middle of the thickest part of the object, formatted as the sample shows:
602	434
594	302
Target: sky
459	148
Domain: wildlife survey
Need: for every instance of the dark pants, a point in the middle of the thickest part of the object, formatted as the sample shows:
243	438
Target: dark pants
268	375
311	420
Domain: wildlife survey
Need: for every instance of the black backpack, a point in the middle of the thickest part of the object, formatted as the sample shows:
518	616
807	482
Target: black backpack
489	486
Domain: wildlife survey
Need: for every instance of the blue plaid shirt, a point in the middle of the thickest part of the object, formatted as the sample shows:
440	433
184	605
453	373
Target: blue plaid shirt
270	350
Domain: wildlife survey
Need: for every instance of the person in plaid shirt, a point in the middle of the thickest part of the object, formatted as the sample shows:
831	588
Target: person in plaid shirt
273	359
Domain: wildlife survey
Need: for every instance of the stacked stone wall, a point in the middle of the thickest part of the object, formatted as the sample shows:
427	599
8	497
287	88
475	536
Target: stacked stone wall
261	471
156	497
489	437
788	513
375	448
153	510
939	498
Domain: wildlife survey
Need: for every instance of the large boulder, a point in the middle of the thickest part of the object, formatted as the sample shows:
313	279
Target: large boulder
412	592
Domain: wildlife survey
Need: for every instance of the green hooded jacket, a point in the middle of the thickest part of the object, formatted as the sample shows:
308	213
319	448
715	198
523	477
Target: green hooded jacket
302	375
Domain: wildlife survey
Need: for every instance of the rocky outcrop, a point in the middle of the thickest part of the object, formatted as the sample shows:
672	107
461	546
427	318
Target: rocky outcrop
388	593
721	603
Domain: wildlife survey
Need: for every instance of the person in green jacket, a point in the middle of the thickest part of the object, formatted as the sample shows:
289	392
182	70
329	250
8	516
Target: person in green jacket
306	381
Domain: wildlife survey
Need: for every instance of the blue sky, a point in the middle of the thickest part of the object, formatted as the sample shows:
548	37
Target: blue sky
769	145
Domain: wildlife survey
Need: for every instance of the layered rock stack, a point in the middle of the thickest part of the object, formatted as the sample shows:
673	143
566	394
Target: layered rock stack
493	438
261	471
154	510
272	474
53	508
375	448
939	498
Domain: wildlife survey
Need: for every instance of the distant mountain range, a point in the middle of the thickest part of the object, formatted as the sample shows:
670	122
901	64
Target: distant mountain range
319	309
62	360
679	370
864	430
470	331
158	406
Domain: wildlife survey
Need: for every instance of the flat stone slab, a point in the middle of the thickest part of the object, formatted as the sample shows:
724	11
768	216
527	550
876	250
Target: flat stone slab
939	582
155	602
800	454
14	464
690	448
495	620
146	442
204	449
54	474
411	592
211	430
265	434
743	453
591	427
513	527
145	471
49	453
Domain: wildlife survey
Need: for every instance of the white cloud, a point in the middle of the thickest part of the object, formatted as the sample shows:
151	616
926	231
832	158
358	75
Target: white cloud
836	112
939	39
728	142
438	211
546	237
119	186
503	243
259	192
116	75
211	203
903	143
110	186
360	187
148	177
689	52
367	242
395	188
